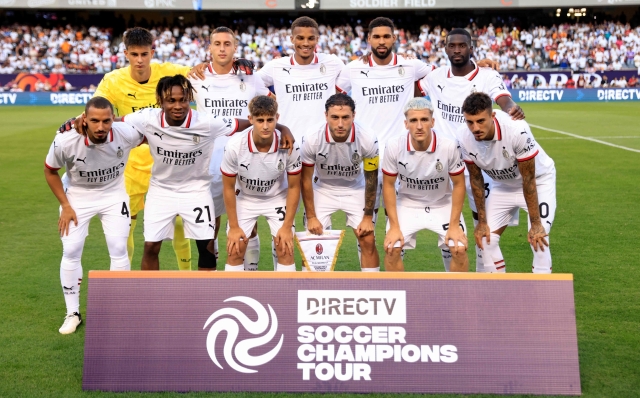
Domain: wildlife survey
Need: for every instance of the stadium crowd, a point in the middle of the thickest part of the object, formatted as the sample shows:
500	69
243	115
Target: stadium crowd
576	47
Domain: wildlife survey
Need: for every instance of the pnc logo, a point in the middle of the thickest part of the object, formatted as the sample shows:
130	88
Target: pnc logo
319	249
227	319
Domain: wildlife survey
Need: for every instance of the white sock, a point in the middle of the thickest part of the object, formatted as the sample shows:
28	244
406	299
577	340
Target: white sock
493	258
274	255
376	269
479	260
71	274
215	248
252	254
446	259
542	260
359	253
236	268
286	268
118	252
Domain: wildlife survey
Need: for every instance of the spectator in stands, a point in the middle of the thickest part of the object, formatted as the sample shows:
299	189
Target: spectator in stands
570	83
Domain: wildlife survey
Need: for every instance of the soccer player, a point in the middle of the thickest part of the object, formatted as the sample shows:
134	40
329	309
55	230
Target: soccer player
253	163
181	142
524	177
427	165
340	172
225	93
448	87
94	163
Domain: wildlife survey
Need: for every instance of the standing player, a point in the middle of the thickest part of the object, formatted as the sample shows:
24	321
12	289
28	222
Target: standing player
253	162
340	172
226	94
448	87
427	165
94	163
524	176
181	142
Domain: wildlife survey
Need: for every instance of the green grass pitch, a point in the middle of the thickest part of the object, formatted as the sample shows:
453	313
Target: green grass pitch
595	237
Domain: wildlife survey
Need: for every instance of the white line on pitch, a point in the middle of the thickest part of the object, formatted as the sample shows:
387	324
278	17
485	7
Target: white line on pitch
586	138
573	138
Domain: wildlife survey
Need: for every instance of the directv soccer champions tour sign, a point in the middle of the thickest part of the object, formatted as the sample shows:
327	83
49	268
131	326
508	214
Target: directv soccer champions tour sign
331	332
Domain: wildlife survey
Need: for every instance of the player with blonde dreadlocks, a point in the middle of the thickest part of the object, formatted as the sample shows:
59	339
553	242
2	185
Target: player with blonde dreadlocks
181	142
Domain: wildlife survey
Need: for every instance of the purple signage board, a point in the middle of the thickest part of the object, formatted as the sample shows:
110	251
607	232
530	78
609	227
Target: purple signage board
331	332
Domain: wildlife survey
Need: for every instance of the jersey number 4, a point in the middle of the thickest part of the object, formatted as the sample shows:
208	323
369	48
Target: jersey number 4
125	210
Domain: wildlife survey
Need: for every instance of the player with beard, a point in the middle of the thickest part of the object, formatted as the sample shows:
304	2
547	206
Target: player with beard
94	163
447	88
181	142
226	93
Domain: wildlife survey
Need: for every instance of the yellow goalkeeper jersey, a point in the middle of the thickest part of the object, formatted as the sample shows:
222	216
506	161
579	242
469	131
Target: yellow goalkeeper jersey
128	96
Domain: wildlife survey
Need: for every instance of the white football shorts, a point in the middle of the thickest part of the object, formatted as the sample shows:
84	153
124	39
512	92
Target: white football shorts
488	186
196	209
326	204
504	204
115	219
216	194
248	211
412	220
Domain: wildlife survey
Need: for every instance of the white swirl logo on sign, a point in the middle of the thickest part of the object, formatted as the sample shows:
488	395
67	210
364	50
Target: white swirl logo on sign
241	349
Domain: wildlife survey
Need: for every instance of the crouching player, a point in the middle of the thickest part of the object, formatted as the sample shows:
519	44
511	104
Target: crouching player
340	172
427	165
524	177
253	163
181	142
94	162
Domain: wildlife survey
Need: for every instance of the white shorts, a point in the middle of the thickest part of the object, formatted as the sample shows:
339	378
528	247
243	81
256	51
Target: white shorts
248	211
196	210
216	194
488	186
115	218
326	204
412	220
504	204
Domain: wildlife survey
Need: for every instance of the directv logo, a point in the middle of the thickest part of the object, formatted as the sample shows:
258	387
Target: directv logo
345	306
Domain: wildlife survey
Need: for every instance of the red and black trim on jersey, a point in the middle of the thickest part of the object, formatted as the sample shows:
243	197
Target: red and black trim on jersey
394	62
329	138
292	173
51	168
252	146
389	174
498	133
470	76
500	96
458	172
87	142
432	145
185	124
293	62
528	157
227	174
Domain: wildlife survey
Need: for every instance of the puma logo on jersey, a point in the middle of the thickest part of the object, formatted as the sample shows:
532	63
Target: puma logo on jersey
82	160
159	135
211	226
132	95
287	70
549	222
323	155
475	155
404	164
365	73
206	88
440	87
245	166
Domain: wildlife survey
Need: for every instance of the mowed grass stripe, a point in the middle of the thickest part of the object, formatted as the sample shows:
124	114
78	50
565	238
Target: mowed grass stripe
594	236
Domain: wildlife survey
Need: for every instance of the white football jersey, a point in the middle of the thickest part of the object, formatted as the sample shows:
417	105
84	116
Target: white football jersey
94	171
423	175
227	96
302	90
511	143
181	154
259	175
447	93
381	91
339	165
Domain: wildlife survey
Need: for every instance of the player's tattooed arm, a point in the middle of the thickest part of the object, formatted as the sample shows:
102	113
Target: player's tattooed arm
313	224
507	105
366	226
67	214
477	188
537	233
389	195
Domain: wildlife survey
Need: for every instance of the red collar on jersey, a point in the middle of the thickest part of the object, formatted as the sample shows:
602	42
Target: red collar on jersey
498	135
293	62
472	74
395	60
87	142
329	138
210	68
252	145
187	124
432	146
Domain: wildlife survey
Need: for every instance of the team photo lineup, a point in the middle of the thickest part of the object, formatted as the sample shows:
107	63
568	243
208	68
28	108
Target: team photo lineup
384	138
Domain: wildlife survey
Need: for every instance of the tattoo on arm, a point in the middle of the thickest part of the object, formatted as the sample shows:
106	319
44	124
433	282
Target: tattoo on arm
371	185
477	188
528	172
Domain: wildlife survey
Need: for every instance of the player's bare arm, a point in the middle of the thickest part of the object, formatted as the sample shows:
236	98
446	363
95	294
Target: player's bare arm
236	239
537	233
284	237
455	232
514	110
477	188
313	224
67	214
366	226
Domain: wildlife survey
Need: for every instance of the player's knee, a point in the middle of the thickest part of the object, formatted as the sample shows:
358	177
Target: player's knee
367	244
206	258
117	246
72	250
152	248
